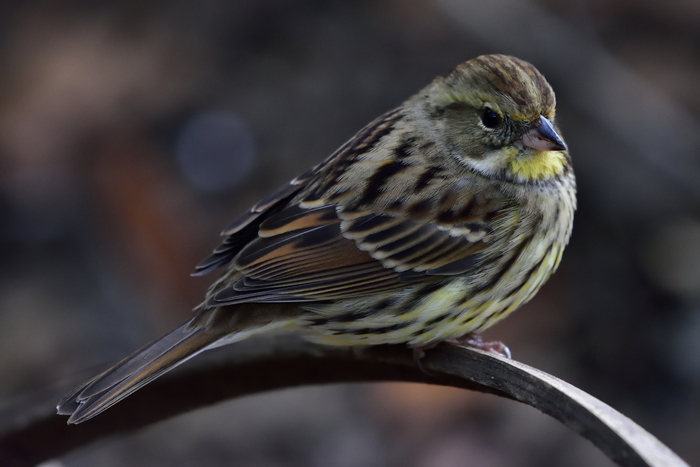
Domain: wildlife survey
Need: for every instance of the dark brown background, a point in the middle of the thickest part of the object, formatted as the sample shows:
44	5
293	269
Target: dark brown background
132	132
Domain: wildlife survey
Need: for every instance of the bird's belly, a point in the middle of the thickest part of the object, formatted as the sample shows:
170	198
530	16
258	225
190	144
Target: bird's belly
448	312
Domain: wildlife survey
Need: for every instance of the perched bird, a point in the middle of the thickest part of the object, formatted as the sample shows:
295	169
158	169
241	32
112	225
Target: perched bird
433	222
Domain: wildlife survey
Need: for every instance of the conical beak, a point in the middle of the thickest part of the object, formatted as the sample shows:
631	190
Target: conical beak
543	137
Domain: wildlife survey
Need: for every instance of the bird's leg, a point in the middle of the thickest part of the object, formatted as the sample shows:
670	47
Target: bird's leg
474	340
418	354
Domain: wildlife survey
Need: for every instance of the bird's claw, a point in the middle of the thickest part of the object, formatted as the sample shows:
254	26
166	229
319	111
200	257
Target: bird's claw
494	347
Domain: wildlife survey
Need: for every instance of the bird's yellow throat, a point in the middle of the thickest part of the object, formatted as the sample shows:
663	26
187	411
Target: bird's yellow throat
540	166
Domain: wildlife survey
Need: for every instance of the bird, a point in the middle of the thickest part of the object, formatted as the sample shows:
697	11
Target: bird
432	223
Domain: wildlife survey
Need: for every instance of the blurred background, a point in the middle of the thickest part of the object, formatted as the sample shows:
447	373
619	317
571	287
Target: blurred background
132	132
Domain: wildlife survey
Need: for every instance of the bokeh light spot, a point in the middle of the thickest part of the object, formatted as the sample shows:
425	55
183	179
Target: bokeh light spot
215	151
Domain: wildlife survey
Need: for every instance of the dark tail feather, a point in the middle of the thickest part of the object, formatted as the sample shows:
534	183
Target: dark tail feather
135	371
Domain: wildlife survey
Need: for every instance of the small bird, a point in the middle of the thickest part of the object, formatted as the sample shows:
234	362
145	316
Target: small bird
433	222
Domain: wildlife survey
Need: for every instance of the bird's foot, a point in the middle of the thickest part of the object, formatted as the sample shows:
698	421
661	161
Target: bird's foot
494	347
418	355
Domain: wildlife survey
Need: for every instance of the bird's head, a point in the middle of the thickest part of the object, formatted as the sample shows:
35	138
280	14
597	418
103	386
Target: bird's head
495	115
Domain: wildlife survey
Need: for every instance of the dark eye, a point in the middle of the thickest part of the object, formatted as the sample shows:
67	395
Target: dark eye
490	119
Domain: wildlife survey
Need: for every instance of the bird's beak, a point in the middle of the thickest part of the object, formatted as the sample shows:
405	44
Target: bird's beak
543	137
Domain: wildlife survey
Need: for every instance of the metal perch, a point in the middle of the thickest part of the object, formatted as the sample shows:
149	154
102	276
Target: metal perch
31	432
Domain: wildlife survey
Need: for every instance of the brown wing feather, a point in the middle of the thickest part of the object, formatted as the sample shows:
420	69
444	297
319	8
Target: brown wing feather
302	255
245	227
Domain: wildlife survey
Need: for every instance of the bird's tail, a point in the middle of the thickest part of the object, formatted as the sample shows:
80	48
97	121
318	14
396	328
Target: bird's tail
137	370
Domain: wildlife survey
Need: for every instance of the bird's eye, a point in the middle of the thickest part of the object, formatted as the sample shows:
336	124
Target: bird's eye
490	119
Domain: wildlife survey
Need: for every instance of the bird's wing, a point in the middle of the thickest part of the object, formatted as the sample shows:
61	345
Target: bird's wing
320	238
313	254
